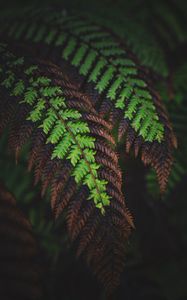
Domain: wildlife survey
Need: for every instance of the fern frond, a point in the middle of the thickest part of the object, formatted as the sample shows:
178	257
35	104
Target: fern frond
108	69
179	170
178	113
19	273
73	152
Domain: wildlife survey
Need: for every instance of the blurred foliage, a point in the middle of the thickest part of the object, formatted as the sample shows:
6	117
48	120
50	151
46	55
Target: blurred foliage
156	260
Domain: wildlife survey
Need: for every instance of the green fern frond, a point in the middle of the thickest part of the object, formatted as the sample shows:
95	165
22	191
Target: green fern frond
119	83
67	131
99	56
65	128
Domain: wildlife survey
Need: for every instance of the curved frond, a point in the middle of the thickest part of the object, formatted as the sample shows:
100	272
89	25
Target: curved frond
109	71
73	152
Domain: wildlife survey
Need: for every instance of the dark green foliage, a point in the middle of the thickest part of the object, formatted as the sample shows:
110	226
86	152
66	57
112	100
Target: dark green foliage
169	27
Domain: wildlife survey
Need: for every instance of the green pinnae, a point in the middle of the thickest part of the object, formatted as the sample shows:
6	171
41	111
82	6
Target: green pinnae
64	127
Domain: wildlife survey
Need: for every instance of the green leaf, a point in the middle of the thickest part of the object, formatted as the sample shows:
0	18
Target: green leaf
74	155
81	170
49	121
61	149
57	133
36	114
19	88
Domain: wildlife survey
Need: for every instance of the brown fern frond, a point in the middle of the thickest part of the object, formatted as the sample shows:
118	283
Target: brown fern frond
19	272
59	172
44	155
7	109
16	124
59	182
50	169
37	142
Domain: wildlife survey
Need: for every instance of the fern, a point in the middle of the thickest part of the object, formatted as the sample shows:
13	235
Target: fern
178	115
105	65
179	170
72	151
19	274
142	41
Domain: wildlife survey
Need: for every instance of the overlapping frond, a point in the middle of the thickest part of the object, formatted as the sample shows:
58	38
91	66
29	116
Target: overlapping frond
111	74
19	273
178	113
73	152
143	42
179	170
